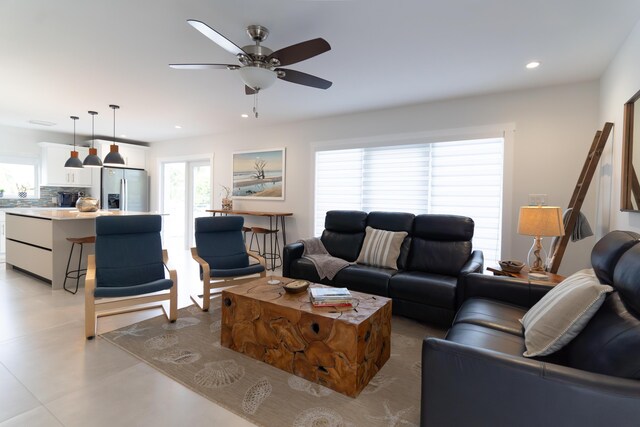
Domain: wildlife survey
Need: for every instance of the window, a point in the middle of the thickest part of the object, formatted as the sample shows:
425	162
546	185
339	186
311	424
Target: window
457	178
19	177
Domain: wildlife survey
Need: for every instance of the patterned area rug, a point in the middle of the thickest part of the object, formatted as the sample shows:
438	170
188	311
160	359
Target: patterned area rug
189	351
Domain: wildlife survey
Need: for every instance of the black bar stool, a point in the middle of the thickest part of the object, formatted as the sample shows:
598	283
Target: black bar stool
274	253
76	274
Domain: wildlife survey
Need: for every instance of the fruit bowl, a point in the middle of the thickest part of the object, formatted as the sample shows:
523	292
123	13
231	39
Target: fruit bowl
511	266
296	286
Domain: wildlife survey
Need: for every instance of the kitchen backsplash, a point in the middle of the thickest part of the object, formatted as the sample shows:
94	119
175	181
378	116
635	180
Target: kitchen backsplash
46	198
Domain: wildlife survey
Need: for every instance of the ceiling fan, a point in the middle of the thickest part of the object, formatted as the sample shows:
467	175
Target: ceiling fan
260	66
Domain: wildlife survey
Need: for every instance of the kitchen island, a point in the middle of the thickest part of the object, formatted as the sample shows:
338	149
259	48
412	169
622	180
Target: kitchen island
37	239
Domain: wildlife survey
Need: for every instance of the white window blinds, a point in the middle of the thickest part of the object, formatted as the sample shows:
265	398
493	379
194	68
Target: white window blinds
456	178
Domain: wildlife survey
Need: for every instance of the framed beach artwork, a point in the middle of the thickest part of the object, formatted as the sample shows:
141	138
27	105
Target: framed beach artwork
259	174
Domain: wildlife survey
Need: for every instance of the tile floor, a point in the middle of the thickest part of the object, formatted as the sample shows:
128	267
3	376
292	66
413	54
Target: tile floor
51	376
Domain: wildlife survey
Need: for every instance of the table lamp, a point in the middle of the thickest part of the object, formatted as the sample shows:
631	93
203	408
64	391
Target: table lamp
539	221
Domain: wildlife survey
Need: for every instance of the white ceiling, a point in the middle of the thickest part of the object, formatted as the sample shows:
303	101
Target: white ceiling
64	57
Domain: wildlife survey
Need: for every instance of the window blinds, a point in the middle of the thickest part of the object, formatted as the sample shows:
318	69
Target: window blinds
455	178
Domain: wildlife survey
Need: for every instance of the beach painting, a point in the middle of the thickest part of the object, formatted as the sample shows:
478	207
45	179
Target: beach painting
259	174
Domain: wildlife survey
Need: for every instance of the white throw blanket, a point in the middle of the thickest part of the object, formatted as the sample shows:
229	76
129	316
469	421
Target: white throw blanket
326	265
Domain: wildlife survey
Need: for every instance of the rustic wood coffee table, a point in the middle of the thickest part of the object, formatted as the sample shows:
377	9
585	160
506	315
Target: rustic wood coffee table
338	347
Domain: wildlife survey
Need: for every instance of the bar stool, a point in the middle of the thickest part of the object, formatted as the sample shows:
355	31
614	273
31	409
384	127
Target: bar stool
274	254
254	236
245	230
76	274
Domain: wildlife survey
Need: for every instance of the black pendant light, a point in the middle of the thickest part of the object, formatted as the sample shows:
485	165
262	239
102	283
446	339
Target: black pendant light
113	158
74	162
92	160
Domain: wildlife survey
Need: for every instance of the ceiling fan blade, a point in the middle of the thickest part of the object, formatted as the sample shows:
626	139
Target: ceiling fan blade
305	79
203	66
301	51
216	37
248	90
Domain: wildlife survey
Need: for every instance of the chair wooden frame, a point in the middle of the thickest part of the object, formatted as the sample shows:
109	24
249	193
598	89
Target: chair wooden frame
101	307
203	301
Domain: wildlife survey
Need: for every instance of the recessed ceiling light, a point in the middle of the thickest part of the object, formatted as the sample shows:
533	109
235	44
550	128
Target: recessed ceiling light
244	116
42	123
533	64
123	136
178	127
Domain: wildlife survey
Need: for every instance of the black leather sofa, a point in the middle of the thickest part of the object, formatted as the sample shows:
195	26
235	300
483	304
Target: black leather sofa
434	257
478	376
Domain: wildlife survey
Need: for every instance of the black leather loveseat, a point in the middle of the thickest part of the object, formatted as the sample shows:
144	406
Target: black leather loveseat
434	257
478	376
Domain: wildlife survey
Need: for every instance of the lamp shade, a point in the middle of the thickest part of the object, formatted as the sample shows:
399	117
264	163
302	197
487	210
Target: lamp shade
257	77
540	221
73	162
113	158
92	160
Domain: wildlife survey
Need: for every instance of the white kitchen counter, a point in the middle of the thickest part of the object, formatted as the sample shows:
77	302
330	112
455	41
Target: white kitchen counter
37	240
68	214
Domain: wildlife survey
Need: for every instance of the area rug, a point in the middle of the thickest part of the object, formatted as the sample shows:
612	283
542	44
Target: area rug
189	351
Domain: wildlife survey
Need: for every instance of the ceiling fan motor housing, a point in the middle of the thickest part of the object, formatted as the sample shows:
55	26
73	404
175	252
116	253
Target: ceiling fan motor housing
258	33
258	52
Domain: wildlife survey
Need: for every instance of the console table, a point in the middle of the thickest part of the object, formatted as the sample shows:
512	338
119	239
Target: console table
273	216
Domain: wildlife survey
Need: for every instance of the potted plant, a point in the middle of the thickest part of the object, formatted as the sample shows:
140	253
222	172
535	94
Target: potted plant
227	203
1	192
22	191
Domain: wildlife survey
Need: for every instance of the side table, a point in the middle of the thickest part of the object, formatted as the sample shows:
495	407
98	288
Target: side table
553	279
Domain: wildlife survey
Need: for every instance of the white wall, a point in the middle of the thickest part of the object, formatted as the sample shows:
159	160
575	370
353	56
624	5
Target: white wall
554	128
620	82
24	142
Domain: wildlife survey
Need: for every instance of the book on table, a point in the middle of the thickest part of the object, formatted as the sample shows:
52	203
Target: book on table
321	297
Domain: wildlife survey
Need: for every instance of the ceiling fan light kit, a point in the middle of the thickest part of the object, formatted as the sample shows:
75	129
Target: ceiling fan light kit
259	69
257	78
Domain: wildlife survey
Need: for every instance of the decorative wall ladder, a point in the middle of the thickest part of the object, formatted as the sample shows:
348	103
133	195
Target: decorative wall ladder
580	191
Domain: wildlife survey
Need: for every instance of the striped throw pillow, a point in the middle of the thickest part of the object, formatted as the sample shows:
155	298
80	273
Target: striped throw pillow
381	248
562	313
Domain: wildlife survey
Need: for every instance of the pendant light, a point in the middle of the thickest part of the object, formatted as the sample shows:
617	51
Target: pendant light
92	160
74	162
113	158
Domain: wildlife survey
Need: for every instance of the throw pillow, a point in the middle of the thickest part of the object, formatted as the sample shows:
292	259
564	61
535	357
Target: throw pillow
562	313
381	248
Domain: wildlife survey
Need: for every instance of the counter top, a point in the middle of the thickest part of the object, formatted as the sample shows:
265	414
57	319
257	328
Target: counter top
70	214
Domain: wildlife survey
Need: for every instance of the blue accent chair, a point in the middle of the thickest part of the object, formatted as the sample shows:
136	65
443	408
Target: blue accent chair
128	269
222	255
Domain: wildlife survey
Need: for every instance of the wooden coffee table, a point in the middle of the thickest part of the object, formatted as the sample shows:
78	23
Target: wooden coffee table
338	347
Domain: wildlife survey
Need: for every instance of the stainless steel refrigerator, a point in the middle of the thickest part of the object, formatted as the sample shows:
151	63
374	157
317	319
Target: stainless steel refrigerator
124	189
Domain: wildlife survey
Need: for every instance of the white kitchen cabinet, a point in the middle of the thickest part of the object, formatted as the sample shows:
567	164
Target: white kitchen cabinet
135	156
54	173
29	244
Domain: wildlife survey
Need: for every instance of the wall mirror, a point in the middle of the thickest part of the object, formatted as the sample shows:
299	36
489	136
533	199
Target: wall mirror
630	198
